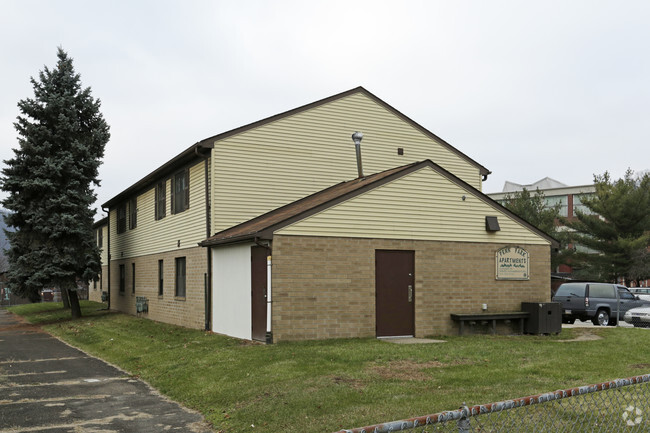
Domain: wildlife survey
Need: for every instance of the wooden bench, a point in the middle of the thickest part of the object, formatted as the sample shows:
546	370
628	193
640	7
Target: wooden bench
490	317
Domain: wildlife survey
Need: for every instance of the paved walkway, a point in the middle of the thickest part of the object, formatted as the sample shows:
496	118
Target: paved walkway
49	387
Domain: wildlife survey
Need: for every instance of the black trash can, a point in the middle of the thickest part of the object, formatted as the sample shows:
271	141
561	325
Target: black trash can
544	317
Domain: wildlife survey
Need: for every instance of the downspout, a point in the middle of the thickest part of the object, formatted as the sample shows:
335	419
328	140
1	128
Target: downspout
208	278
108	255
269	300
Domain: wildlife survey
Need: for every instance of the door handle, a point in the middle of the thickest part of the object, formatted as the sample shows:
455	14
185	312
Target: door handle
410	292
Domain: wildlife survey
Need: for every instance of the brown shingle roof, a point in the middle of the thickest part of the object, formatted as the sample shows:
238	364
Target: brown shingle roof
263	226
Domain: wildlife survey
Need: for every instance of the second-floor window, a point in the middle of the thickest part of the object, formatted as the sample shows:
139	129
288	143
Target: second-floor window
161	200
121	218
133	213
181	191
100	237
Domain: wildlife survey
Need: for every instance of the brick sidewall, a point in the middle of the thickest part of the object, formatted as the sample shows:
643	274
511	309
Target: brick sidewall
188	311
95	288
324	287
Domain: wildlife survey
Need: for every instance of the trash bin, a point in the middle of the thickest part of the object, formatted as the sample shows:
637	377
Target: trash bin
544	317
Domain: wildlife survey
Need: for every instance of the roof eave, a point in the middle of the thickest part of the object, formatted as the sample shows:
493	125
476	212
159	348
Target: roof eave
194	152
236	239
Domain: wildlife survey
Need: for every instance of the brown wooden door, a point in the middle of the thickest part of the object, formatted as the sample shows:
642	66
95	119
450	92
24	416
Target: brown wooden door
258	292
395	292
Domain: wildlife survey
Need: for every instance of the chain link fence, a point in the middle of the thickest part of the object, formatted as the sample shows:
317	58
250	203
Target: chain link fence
621	405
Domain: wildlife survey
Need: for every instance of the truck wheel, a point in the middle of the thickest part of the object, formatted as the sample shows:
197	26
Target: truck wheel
601	318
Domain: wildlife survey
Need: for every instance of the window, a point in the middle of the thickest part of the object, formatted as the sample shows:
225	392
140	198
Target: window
160	278
122	278
161	200
100	237
133	213
572	289
562	200
624	294
181	191
599	290
578	206
121	218
180	277
133	278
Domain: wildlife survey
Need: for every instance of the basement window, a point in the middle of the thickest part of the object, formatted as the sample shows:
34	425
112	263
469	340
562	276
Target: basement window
161	278
122	279
492	224
180	277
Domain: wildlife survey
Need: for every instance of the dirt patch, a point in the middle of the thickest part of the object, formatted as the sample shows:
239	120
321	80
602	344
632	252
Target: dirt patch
352	383
406	370
21	327
640	366
259	399
584	336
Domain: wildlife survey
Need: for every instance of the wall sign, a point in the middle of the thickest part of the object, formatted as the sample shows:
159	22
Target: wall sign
512	264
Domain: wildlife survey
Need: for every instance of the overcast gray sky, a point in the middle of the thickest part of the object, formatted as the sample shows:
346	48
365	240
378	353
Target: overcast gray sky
527	89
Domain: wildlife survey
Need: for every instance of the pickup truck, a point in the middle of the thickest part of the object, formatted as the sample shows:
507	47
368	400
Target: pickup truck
602	303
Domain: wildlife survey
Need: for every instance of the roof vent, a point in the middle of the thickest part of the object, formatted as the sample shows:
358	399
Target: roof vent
492	224
356	137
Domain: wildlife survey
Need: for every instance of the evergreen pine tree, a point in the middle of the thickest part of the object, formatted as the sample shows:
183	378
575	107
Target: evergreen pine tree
616	231
49	181
534	209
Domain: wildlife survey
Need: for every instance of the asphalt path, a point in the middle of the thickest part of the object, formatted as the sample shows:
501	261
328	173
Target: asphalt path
49	386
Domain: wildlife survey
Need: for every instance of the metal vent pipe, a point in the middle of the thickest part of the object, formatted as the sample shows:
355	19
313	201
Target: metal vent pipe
356	137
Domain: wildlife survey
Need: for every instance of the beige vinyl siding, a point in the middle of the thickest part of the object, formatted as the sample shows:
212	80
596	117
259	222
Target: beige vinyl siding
261	169
151	236
423	205
104	248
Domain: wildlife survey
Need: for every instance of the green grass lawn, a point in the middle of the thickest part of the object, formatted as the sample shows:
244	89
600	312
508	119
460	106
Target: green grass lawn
323	386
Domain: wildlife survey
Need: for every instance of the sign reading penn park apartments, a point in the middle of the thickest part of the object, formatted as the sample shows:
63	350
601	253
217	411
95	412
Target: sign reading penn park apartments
512	264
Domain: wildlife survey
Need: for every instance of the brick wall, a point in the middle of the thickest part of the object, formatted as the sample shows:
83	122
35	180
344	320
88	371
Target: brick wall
324	287
188	311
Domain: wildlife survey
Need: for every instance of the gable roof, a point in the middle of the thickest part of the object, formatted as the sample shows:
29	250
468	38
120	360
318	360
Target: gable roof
484	171
197	149
263	226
